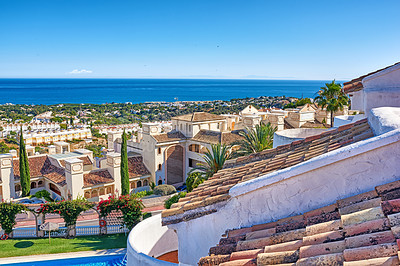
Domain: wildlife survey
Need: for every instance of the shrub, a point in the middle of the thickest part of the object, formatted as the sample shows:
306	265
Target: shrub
174	199
143	193
69	210
8	211
193	180
129	205
43	194
164	190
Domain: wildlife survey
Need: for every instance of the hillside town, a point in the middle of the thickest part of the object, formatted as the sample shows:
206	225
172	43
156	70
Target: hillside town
305	138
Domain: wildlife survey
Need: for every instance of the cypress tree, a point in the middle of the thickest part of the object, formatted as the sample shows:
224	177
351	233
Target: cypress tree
124	166
24	173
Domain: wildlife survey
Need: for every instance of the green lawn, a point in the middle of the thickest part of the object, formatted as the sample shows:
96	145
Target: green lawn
24	247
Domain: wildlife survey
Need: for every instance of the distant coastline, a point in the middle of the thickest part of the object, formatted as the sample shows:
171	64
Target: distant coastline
98	91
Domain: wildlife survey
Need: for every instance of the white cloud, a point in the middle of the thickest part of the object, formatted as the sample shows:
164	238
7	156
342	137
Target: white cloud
80	71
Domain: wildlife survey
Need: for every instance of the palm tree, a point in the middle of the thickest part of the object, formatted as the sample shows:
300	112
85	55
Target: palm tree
214	160
256	139
332	97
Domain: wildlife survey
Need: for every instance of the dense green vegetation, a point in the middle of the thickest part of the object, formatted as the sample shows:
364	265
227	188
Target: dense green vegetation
25	247
255	140
124	113
124	166
332	97
24	173
174	199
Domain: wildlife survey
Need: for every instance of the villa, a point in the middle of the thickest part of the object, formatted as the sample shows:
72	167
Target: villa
71	174
331	198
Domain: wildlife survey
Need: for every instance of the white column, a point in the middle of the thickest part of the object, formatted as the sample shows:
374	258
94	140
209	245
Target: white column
74	177
7	176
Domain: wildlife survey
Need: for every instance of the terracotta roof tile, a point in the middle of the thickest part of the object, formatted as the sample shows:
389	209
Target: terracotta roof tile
97	177
170	136
214	137
86	161
356	237
199	117
136	167
255	165
356	84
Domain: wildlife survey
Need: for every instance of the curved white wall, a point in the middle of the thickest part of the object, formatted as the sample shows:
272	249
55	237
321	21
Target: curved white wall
149	240
289	135
318	182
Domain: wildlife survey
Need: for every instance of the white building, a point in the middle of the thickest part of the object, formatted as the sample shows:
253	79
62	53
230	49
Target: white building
329	199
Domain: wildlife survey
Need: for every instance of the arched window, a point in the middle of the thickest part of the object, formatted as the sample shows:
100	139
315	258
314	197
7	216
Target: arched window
109	190
160	182
102	192
40	183
94	193
159	150
132	185
145	183
33	185
139	183
87	194
17	187
159	167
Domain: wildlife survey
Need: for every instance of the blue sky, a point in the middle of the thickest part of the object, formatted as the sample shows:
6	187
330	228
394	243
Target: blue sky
197	39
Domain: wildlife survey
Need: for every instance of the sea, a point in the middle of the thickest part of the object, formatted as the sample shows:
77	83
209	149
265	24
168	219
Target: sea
99	91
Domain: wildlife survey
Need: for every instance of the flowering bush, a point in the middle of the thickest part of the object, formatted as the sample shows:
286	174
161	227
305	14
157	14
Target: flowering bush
8	212
130	206
69	210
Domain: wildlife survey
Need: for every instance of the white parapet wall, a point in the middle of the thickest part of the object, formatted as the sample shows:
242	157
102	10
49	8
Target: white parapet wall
319	182
149	240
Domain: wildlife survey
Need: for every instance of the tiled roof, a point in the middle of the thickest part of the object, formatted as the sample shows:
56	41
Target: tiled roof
359	230
199	117
86	161
356	84
215	137
170	136
216	188
97	177
136	167
41	166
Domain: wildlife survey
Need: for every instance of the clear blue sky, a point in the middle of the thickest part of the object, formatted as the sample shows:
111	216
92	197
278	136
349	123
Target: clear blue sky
198	39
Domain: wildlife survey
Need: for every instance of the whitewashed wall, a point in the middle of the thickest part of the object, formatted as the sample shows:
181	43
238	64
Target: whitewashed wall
316	183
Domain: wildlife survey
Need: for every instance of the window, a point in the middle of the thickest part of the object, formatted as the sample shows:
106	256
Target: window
40	183
159	150
132	185
33	185
191	162
139	183
94	193
160	182
109	190
159	167
145	183
17	187
102	192
87	194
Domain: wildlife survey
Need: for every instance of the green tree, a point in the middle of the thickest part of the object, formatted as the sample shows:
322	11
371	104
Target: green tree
332	97
4	148
24	173
255	140
214	160
124	166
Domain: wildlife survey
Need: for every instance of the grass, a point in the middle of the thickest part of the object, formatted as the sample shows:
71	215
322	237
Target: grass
25	247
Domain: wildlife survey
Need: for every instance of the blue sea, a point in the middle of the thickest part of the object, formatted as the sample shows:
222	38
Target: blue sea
55	91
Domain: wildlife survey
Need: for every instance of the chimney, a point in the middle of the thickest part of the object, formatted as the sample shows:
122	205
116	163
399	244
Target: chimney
51	149
74	177
6	176
114	167
112	137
